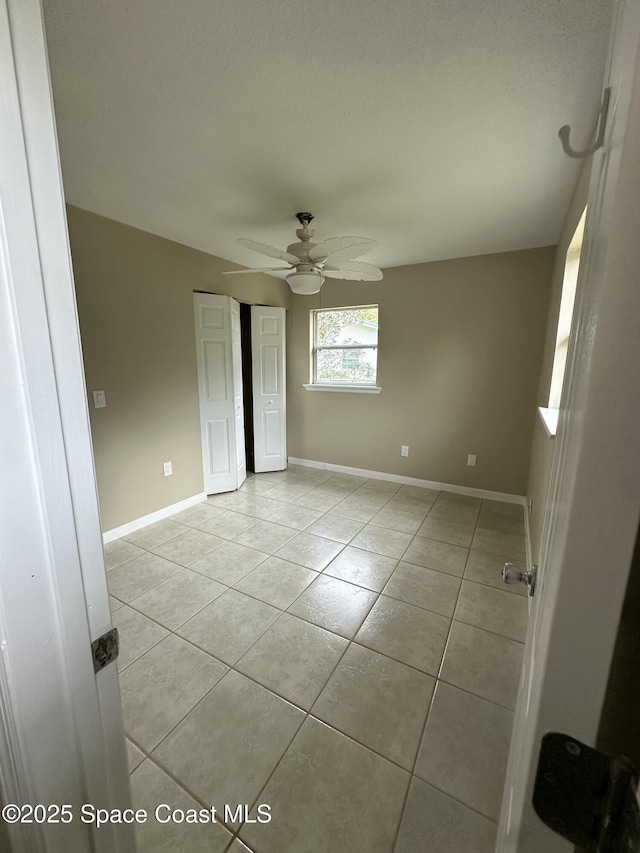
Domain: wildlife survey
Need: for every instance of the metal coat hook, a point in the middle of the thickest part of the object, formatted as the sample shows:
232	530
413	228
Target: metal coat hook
565	131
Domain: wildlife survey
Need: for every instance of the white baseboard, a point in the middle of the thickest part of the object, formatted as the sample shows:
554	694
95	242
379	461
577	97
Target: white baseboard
158	515
412	481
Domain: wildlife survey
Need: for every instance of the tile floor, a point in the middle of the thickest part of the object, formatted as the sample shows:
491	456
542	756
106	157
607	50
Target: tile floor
340	649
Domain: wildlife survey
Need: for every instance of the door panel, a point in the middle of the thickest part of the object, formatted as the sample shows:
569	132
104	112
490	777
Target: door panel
593	508
220	391
269	388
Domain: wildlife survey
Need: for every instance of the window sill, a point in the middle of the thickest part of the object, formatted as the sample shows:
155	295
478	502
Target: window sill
345	389
549	418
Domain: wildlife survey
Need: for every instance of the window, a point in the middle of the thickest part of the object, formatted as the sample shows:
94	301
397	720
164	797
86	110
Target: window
565	316
345	347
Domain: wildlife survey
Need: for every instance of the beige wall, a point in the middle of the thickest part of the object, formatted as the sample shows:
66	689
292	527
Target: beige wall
459	362
542	445
135	305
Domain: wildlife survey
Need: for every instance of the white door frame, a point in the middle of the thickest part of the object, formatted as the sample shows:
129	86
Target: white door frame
61	728
591	521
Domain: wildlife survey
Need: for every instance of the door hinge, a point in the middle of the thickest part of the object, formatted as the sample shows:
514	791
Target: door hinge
587	796
105	649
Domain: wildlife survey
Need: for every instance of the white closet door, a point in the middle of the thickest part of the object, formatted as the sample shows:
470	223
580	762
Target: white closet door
269	388
220	391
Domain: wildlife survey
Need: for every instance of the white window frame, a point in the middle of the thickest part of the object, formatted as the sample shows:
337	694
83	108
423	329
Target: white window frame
344	386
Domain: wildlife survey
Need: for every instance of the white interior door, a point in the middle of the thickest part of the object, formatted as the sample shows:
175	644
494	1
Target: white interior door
218	349
269	388
238	397
61	728
592	518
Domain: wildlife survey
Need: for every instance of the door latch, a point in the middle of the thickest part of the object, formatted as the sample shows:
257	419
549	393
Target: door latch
514	574
587	796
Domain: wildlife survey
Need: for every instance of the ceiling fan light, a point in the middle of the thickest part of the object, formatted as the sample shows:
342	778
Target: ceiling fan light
305	283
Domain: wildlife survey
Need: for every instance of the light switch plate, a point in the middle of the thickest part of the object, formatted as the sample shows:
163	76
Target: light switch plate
168	469
99	400
472	460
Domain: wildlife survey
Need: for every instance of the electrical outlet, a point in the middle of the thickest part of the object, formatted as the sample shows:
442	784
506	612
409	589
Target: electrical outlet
99	400
404	450
168	469
472	460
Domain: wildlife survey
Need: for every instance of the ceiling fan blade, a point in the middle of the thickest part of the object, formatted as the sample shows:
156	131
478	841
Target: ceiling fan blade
262	269
353	271
271	251
347	248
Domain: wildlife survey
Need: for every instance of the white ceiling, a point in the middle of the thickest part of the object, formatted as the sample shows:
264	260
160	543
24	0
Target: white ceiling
428	125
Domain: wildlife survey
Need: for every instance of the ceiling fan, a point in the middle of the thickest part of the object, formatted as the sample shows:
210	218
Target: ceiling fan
310	263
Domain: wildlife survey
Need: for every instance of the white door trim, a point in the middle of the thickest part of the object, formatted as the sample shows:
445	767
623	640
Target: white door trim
61	732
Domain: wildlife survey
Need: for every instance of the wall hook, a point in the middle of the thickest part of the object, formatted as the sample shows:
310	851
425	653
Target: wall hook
565	131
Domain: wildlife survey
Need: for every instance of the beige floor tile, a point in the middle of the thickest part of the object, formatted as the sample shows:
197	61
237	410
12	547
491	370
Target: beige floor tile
319	499
363	568
335	605
312	552
513	509
455	512
266	537
162	686
354	509
239	847
406	633
197	515
451	532
351	801
259	507
432	590
228	563
507	546
420	491
287	492
149	788
188	547
336	528
397	519
487	569
434	821
229	524
483	663
230	625
118	552
134	756
155	534
501	522
175	600
465	748
114	604
138	575
228	500
406	502
440	556
387	486
137	635
227	747
294	659
296	516
389	543
277	582
461	500
377	701
493	610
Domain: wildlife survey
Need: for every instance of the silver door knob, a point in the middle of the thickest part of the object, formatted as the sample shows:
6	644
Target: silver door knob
514	574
